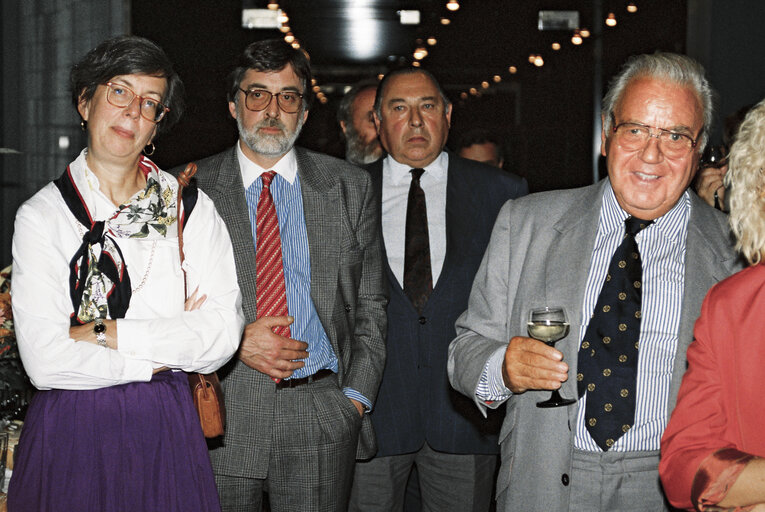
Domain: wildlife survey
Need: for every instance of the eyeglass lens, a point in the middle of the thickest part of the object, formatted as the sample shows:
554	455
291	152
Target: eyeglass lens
635	136
121	96
258	99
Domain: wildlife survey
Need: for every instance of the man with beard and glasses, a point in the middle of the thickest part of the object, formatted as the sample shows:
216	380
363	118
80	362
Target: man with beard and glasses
356	117
307	245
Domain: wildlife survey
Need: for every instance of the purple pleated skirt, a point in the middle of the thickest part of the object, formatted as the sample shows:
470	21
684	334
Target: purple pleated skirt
134	447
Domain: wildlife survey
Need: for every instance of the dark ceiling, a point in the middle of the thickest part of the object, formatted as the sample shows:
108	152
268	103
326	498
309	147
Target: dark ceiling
545	114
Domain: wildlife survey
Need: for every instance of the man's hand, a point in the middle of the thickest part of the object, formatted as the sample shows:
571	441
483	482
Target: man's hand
269	353
359	406
532	364
710	180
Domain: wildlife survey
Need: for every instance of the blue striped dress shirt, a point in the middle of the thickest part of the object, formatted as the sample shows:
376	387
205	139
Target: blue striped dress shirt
662	250
288	201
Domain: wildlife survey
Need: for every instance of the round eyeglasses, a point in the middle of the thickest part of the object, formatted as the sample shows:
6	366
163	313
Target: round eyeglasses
259	99
122	96
634	136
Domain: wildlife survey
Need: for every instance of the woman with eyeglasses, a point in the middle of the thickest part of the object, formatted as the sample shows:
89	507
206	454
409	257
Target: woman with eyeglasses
98	298
713	450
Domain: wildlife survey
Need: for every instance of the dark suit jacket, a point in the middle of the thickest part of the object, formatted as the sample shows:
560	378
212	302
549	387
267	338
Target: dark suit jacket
347	288
416	402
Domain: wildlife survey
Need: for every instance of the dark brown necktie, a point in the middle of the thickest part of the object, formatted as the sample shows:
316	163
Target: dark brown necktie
418	278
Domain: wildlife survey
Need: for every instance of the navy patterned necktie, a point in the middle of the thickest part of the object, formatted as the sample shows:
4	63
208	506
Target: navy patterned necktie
608	356
418	279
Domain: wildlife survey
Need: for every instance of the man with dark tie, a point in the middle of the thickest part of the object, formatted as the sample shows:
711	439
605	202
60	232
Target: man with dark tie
307	245
630	259
437	213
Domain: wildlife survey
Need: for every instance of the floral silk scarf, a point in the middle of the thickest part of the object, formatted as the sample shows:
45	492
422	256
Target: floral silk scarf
100	286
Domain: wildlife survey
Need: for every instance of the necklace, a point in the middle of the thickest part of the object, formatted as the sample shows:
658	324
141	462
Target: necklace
148	265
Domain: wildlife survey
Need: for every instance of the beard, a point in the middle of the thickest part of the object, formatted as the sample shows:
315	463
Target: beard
358	151
271	145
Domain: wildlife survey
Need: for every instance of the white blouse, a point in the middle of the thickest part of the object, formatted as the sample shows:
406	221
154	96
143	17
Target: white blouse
156	331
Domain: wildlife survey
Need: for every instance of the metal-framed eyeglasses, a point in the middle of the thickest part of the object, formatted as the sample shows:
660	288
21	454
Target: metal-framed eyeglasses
259	99
122	96
634	136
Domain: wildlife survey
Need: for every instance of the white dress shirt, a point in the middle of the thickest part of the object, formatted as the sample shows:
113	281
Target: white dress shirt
286	167
156	331
396	181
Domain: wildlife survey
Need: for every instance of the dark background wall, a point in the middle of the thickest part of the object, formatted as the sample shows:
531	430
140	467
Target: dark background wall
40	40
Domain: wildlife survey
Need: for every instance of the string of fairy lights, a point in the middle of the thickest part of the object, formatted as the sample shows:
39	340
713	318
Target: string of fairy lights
578	36
537	60
290	38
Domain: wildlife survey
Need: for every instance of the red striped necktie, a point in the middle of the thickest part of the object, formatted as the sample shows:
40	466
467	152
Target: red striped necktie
271	289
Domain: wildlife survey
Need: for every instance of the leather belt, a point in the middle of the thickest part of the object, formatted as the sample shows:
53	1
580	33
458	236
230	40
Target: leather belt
293	383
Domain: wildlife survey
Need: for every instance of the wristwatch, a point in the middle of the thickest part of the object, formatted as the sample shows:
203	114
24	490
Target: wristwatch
99	328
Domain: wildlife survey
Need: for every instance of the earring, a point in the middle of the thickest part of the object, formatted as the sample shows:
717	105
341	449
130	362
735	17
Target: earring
151	152
84	125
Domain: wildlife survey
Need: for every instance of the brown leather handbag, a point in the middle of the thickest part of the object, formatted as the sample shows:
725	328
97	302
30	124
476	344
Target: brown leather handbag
205	388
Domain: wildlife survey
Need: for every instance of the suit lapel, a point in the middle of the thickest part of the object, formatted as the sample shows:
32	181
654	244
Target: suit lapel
462	213
706	263
321	206
569	255
232	206
375	170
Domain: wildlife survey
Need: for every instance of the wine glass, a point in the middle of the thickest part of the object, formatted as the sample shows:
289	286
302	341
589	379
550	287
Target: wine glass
549	324
714	156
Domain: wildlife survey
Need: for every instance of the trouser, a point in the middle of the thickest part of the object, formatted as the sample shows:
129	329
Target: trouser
448	481
314	438
623	481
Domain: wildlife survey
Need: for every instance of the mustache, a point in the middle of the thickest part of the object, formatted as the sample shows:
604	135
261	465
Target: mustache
271	123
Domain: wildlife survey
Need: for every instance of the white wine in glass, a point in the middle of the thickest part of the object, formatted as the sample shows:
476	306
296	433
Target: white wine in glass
549	324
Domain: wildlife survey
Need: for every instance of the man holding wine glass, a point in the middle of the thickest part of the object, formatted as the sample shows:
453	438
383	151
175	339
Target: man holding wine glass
629	260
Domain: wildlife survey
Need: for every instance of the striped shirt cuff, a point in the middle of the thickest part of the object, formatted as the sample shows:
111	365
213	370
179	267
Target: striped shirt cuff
355	395
491	387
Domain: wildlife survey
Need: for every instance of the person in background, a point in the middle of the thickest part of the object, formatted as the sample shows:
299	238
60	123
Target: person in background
709	182
437	213
306	232
101	322
355	115
630	260
481	146
713	450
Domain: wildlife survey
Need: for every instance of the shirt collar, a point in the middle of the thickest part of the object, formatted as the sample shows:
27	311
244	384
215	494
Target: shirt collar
399	172
286	167
672	224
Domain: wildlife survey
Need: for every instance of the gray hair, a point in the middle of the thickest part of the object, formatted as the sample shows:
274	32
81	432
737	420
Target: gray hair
406	71
670	67
344	114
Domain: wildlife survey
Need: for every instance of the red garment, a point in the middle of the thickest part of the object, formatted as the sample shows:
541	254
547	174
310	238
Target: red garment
719	405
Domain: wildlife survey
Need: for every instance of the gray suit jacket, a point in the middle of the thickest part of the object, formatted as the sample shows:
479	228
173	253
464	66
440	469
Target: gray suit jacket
539	253
347	288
